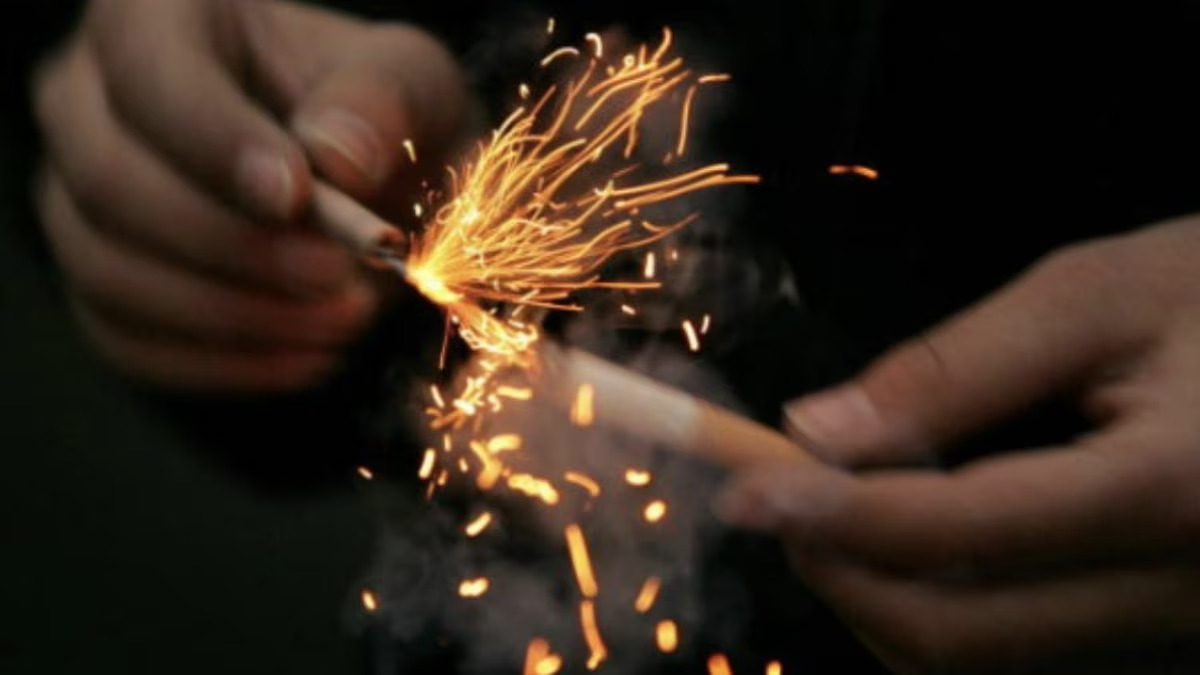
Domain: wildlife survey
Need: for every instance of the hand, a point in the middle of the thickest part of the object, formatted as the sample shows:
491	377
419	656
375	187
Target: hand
172	190
1052	559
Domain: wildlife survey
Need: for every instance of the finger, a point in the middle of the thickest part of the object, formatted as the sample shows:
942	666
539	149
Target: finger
1043	333
919	627
170	70
138	199
394	86
167	299
178	364
1023	511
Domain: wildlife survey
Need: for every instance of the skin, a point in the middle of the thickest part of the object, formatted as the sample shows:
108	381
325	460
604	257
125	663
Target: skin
1081	558
182	140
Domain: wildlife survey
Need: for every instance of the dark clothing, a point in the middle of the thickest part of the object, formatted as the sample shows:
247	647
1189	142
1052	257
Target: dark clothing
148	534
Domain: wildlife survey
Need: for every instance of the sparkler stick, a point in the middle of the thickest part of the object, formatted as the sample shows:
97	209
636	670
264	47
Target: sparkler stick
648	409
349	222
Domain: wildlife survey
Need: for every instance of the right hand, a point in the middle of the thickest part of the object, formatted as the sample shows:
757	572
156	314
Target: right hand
172	191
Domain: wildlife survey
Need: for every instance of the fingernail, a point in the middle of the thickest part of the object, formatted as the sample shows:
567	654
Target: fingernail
747	509
266	182
831	418
312	264
772	499
350	136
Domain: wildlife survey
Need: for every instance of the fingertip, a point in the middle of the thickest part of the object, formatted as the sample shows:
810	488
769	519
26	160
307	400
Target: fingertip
273	183
843	426
774	497
345	147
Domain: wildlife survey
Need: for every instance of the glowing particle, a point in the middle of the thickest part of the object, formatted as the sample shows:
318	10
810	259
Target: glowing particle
638	477
715	77
369	601
597	44
856	169
523	91
561	51
648	269
774	668
647	595
581	561
628	310
410	149
365	473
463	467
683	120
477	526
584	481
666	636
673	254
693	340
719	665
417	210
705	324
436	394
539	660
532	486
443	476
583	409
591	633
473	588
503	443
426	469
489	475
515	393
550	26
655	511
446	443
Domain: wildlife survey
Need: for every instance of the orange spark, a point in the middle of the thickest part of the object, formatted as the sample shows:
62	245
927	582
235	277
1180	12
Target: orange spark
426	469
418	210
638	477
705	323
539	660
581	561
503	443
774	668
655	511
515	393
583	409
477	526
648	270
584	481
666	635
683	120
463	466
715	77
473	588
365	473
693	340
857	169
550	26
591	633
561	51
437	396
532	486
369	601
523	91
410	149
597	44
647	595
719	665
629	310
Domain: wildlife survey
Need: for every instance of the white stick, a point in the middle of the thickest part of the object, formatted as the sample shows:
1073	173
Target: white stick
351	223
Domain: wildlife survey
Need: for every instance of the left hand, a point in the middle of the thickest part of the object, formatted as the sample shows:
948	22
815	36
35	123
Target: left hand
1082	558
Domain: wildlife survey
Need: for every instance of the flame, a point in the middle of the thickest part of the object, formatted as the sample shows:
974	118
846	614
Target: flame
719	665
473	588
583	409
655	511
581	561
666	636
591	633
647	595
369	601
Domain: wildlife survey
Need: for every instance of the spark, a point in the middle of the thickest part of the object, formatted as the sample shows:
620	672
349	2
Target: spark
478	525
550	26
705	323
463	466
418	211
504	443
628	310
436	394
584	481
443	476
648	270
473	588
369	601
673	254
774	668
693	340
410	149
683	120
715	77
581	561
647	595
583	409
539	660
597	44
591	633
535	487
515	393
523	91
426	469
638	477
719	665
666	635
655	511
365	473
561	51
856	169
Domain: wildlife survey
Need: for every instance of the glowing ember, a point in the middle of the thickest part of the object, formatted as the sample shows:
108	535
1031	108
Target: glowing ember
365	473
477	526
666	636
719	665
704	324
515	393
410	149
648	269
584	481
638	477
561	51
583	409
473	588
774	668
716	77
693	340
591	633
550	26
369	602
581	561
436	394
539	660
523	91
504	443
628	310
532	486
426	469
683	120
856	169
597	44
655	511
646	597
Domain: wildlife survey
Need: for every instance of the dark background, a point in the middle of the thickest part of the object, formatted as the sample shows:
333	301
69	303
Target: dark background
148	533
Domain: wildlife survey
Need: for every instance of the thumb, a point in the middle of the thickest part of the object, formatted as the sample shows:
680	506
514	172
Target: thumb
1043	333
394	85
